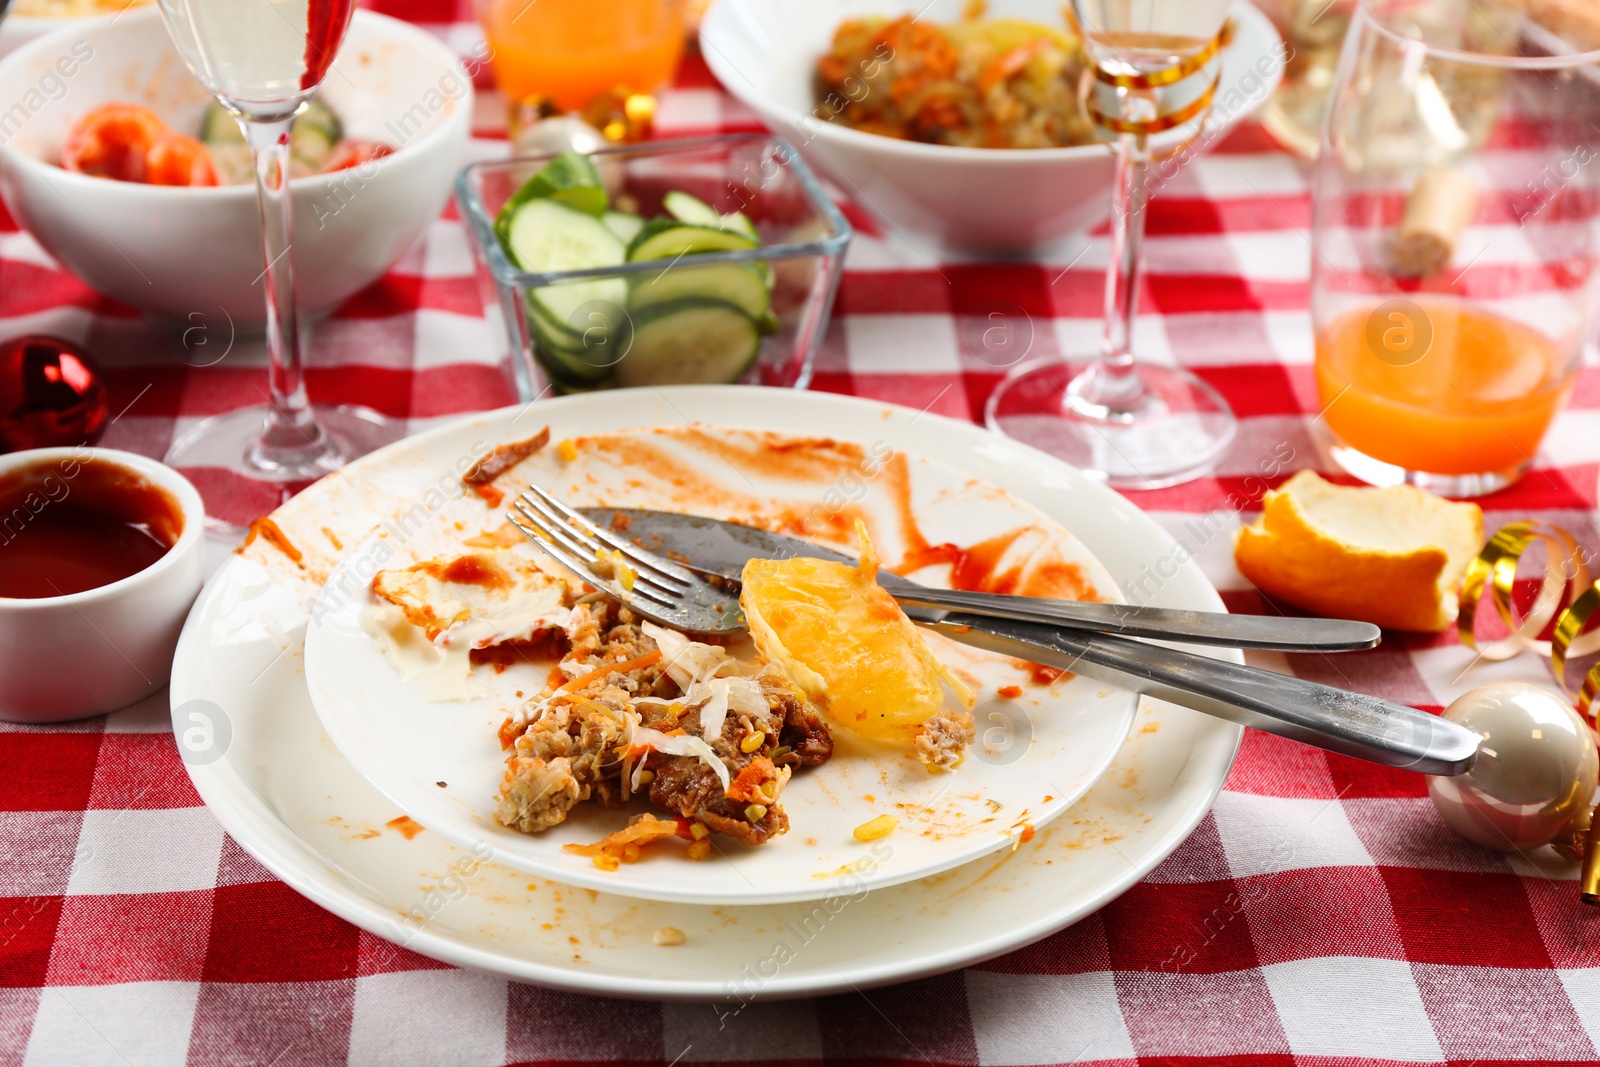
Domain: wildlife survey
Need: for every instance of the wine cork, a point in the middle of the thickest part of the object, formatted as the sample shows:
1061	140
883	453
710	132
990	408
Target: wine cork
1441	205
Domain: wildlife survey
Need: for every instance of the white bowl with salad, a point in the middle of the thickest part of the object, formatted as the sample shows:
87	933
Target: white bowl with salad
141	186
704	261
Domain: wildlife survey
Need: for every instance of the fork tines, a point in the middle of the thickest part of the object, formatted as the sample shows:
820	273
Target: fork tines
579	544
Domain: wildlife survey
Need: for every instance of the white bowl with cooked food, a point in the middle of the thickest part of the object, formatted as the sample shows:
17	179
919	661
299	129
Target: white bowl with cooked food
993	200
25	20
18	30
193	255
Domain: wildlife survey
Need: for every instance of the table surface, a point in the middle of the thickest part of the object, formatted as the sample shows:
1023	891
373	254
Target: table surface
1322	913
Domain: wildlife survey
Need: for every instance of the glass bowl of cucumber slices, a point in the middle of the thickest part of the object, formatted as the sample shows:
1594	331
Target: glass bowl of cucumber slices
704	261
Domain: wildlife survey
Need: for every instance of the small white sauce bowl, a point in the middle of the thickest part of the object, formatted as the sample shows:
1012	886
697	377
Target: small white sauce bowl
69	657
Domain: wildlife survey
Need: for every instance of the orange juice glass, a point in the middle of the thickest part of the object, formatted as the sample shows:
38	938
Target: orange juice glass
1456	266
1440	387
573	51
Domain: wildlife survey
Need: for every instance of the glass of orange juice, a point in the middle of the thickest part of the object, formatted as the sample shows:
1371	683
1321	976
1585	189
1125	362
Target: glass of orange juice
573	51
1454	278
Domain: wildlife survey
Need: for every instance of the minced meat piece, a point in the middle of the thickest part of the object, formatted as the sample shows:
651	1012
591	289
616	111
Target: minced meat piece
569	745
803	733
942	741
685	786
536	795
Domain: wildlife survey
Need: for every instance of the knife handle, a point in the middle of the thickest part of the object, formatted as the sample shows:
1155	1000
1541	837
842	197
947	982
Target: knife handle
1273	633
1350	723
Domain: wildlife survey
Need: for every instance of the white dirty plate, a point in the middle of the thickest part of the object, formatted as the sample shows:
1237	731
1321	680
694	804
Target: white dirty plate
441	762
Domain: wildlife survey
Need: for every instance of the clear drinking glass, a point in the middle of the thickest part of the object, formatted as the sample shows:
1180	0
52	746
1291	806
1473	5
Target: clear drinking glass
263	60
1313	30
1454	277
1154	70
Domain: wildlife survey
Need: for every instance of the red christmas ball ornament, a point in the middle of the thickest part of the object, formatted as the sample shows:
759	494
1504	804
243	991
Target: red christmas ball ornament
51	393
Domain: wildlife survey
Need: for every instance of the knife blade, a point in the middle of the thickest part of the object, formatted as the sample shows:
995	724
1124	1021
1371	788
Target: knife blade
1354	724
723	549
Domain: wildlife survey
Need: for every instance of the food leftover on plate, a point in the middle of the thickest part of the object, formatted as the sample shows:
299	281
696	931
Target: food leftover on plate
710	734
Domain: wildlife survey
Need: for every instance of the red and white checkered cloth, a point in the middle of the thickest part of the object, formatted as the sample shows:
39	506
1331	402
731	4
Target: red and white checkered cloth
1323	912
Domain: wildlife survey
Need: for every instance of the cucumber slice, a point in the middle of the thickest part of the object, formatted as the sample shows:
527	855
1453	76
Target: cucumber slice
548	331
217	126
691	209
739	222
690	343
582	314
574	367
736	284
624	225
768	276
697	212
321	116
670	238
583	359
312	144
316	131
569	179
548	237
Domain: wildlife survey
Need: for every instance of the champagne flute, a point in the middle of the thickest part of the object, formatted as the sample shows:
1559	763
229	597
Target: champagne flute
1154	67
263	60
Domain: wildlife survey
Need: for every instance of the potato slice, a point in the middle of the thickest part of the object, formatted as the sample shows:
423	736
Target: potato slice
1390	556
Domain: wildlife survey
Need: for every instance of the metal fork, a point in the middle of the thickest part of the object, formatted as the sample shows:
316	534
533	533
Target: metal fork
1355	724
659	589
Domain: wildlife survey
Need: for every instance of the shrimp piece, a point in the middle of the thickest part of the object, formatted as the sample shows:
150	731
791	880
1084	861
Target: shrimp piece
178	160
112	141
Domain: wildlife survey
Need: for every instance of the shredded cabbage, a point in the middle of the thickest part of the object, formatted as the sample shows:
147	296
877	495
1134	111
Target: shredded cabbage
638	772
682	745
747	698
687	662
715	710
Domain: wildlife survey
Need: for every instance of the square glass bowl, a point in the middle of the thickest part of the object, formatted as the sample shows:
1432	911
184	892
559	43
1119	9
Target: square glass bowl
753	315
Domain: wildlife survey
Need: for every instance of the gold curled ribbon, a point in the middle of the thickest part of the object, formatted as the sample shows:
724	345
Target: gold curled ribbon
1156	79
1495	567
1564	642
1161	123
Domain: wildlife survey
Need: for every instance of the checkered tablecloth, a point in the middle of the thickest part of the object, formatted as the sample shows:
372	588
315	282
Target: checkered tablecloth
1321	914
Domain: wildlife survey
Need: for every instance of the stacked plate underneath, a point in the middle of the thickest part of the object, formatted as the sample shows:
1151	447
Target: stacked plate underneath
376	801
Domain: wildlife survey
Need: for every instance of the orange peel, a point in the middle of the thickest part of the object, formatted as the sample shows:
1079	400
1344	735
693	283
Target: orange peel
1391	556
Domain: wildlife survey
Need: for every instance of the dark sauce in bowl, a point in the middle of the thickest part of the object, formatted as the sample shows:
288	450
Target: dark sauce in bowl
74	525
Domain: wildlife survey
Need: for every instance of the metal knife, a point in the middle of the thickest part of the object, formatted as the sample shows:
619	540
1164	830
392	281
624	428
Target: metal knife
713	540
1354	724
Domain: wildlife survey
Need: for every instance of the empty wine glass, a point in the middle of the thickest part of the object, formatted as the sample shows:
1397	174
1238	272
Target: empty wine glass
1154	68
263	61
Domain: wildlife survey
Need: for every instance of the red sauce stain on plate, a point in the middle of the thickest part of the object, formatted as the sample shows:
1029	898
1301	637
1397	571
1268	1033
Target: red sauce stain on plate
471	569
406	826
270	532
